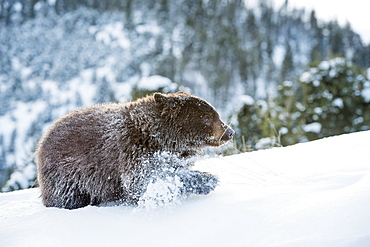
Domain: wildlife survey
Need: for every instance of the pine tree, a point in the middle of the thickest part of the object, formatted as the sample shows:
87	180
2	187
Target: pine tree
336	39
288	64
332	97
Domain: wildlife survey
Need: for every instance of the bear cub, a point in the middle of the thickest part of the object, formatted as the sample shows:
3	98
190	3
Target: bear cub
111	152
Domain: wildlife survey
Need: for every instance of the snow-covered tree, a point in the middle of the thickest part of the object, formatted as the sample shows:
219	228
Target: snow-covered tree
333	99
59	55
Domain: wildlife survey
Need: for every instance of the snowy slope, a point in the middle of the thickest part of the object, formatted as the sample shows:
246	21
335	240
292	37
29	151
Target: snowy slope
311	194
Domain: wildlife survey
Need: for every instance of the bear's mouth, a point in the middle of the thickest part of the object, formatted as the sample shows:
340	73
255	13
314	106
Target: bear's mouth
226	136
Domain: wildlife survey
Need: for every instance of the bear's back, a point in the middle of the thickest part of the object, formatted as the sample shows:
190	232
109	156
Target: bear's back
81	133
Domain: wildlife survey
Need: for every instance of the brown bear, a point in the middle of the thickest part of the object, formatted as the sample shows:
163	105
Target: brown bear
109	152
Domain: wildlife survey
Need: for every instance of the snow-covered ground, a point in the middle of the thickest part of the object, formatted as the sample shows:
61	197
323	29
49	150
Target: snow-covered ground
311	194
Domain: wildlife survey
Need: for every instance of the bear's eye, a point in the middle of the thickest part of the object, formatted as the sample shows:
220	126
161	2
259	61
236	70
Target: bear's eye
207	120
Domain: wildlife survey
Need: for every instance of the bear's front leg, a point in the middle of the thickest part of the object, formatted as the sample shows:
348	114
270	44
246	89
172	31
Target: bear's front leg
195	182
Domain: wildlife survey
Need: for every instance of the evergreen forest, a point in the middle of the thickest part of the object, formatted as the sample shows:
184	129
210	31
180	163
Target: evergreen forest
277	74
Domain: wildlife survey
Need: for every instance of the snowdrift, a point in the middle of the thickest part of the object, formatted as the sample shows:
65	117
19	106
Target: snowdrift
311	194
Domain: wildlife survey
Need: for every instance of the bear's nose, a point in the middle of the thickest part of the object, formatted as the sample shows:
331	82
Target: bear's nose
228	135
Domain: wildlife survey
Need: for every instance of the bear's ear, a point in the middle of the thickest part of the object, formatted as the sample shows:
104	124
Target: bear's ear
160	98
164	101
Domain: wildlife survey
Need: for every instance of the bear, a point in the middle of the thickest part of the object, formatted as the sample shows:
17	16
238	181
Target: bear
108	153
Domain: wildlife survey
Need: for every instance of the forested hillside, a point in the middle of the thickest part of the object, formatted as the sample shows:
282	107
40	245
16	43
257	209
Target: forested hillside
277	74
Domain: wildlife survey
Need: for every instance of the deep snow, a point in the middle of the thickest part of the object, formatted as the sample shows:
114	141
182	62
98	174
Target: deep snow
310	194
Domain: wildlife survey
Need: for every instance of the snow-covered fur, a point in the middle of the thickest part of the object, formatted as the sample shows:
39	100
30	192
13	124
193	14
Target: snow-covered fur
112	152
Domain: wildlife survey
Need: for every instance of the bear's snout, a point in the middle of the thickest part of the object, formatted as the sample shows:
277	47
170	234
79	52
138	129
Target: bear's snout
228	135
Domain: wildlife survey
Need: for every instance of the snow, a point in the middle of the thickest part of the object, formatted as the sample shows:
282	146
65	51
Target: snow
265	143
306	77
112	34
316	83
338	102
310	194
149	28
278	55
284	131
324	65
327	11
154	82
51	2
365	93
246	100
162	192
312	127
22	178
19	122
318	110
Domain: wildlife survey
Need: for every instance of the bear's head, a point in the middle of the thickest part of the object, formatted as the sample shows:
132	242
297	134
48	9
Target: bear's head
192	120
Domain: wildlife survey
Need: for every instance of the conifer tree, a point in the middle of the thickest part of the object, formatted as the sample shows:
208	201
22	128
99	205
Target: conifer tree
332	97
288	64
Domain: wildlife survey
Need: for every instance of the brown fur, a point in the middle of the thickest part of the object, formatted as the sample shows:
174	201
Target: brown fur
105	152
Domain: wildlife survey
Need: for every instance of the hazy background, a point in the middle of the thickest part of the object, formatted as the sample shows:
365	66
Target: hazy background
355	12
280	72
